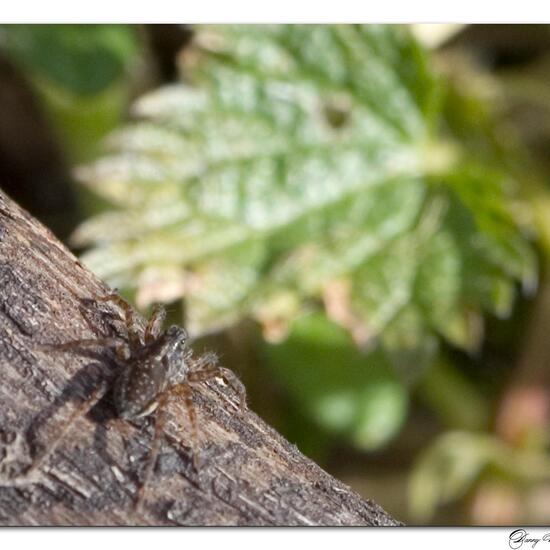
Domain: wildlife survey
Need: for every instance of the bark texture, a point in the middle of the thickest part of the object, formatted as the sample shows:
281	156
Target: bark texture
249	474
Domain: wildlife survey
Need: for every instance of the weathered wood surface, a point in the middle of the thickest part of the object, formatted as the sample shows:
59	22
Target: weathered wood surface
249	474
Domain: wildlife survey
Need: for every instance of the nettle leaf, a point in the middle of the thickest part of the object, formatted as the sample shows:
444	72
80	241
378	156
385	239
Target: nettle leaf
296	158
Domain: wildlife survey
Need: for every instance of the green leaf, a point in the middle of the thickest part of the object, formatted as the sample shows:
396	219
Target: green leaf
295	157
81	74
81	59
343	390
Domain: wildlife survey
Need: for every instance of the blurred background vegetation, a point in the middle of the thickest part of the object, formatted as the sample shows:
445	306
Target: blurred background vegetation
356	218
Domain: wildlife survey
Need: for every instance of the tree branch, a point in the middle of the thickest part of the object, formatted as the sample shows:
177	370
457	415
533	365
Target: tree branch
249	474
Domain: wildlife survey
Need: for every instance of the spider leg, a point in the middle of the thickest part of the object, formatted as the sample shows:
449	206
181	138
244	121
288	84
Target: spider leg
129	318
208	359
154	326
213	370
119	345
80	411
184	391
160	421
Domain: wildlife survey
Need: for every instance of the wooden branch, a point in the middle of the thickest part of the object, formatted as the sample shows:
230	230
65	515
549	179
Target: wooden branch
249	474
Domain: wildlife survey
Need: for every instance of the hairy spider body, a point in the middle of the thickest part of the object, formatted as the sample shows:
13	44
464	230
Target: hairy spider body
155	367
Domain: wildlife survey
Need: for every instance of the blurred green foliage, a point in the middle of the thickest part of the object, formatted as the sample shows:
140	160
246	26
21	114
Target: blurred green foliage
82	59
303	169
329	380
80	73
448	469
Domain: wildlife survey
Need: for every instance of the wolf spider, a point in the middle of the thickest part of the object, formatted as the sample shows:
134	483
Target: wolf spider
155	366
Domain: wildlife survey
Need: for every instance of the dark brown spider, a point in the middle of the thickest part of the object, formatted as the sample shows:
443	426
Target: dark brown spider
155	366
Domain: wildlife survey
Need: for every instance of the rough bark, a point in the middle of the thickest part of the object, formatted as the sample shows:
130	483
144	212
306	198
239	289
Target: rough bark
249	474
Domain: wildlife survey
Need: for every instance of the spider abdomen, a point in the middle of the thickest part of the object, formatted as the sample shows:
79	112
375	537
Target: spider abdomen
137	387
